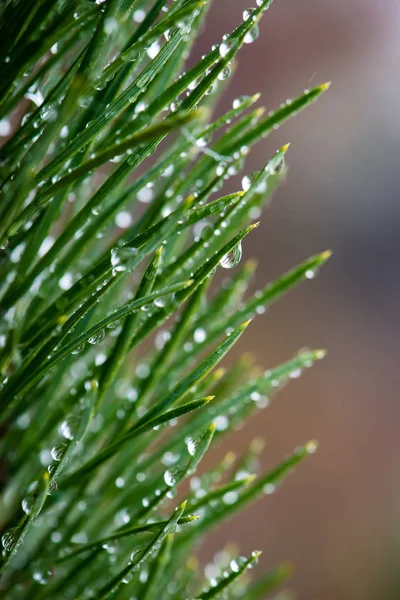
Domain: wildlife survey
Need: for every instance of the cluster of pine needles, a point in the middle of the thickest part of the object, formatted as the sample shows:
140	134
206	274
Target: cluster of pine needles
114	314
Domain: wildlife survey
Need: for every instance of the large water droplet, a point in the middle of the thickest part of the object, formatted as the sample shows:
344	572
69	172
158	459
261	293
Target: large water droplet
232	257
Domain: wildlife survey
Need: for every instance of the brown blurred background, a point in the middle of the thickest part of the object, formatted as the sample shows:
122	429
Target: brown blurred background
338	516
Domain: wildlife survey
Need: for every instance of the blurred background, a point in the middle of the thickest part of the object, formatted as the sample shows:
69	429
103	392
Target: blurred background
338	516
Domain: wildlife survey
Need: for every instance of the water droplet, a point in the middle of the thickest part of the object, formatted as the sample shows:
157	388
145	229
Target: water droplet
123	258
57	452
224	48
232	258
136	552
79	538
139	15
28	503
41	576
78	349
199	335
95	339
110	26
192	445
295	373
123	219
236	563
68	427
225	73
8	538
269	488
174	106
145	195
251	35
310	273
230	497
153	50
312	446
248	180
66	281
5	127
173	476
221	423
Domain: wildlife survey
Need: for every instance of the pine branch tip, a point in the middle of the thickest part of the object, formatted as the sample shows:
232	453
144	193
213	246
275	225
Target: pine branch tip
325	86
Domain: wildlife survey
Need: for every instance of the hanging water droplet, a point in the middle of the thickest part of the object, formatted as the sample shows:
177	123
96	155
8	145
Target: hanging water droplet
232	258
172	476
8	539
57	452
221	167
269	488
159	302
236	563
78	349
248	180
95	339
192	445
122	258
230	497
174	106
28	503
310	273
295	373
5	127
251	35
224	48
136	552
225	73
153	50
168	171
68	427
